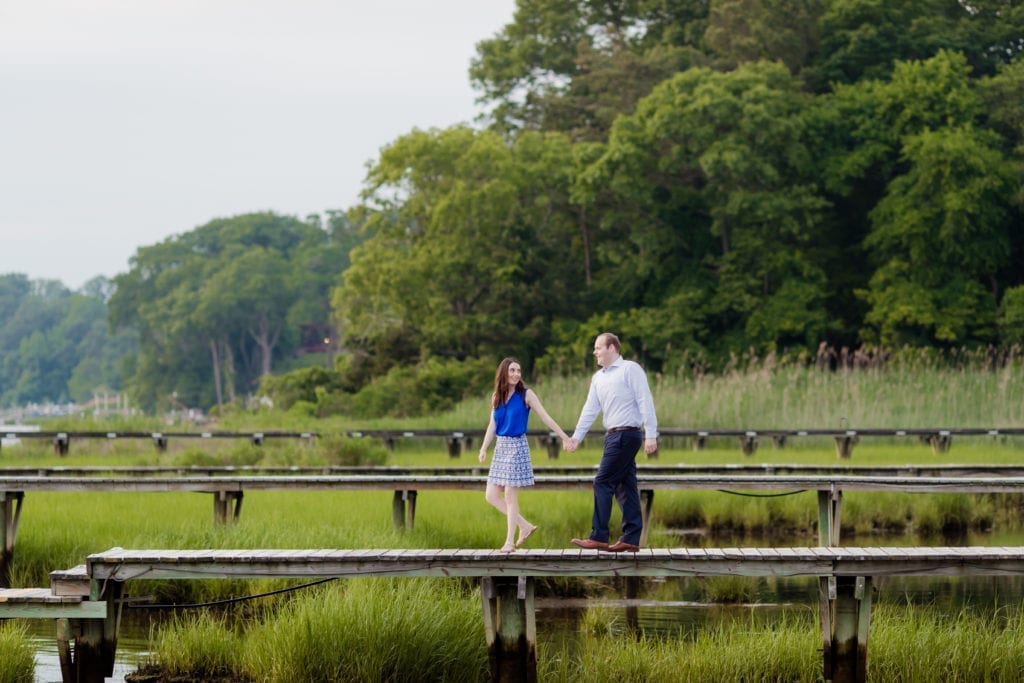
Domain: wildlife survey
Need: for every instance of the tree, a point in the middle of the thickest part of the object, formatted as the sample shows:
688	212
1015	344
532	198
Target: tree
54	343
865	39
211	305
471	249
707	190
561	64
940	237
741	31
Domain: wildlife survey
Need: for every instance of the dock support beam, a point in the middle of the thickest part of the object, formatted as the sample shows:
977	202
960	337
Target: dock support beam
227	506
10	515
553	445
646	504
511	628
846	629
403	510
940	442
845	444
91	660
830	505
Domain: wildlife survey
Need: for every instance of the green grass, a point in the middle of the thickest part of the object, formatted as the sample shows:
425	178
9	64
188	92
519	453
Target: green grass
17	663
59	529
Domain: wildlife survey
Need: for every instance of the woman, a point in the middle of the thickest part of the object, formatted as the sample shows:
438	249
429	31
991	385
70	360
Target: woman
511	468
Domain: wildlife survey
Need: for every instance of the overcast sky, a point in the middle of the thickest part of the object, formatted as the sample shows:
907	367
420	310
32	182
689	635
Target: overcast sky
124	122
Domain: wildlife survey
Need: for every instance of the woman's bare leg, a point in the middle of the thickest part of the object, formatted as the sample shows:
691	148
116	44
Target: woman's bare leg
505	506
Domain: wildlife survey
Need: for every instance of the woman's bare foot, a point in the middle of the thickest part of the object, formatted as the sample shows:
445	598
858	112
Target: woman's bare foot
523	535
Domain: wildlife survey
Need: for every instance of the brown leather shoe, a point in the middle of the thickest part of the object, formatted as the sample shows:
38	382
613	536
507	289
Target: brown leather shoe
589	544
621	547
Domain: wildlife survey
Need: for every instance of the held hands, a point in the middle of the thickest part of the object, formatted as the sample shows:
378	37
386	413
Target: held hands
570	445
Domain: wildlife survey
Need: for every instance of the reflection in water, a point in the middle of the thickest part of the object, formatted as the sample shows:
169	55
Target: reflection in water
131	645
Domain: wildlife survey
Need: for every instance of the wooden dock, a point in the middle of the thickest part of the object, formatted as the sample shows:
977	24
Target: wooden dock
228	491
845	578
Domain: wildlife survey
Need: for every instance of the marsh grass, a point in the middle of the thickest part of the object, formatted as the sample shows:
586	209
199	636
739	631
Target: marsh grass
908	643
17	660
374	630
733	650
926	645
60	529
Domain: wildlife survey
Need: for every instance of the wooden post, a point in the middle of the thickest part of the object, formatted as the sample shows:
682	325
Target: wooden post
92	658
845	443
160	441
553	444
61	444
511	628
403	510
700	441
10	515
227	506
632	613
748	443
940	442
779	441
646	503
826	594
410	510
454	445
398	510
829	509
851	616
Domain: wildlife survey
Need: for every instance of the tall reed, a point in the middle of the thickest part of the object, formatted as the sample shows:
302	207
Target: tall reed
17	661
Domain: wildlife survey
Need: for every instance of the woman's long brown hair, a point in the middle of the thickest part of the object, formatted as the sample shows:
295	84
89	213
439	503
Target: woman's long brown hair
501	385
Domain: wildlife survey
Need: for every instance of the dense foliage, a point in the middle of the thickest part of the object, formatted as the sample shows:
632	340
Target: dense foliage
55	345
702	178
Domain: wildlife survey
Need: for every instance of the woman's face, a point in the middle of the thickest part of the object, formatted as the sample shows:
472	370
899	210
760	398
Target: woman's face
515	373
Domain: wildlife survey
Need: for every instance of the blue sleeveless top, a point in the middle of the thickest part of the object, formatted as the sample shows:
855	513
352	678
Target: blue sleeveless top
511	418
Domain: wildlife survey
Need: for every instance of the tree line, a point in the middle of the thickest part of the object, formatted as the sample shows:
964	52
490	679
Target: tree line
702	178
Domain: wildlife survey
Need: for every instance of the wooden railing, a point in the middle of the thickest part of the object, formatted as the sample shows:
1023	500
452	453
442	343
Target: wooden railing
459	441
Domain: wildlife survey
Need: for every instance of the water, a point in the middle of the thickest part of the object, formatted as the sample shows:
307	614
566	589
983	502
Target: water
664	606
131	647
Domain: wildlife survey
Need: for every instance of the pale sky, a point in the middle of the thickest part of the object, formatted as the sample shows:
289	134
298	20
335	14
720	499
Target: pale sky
125	122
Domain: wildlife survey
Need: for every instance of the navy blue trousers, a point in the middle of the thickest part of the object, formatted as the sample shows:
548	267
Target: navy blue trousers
616	477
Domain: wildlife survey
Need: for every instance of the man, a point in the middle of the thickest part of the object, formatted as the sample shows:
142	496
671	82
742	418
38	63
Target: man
619	391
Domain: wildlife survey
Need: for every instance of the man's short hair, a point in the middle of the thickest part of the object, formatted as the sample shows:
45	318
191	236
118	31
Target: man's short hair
610	339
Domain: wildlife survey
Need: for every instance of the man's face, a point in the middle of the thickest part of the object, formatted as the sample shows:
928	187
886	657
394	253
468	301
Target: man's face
604	353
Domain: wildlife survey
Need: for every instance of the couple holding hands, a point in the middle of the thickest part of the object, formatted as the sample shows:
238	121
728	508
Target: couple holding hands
619	391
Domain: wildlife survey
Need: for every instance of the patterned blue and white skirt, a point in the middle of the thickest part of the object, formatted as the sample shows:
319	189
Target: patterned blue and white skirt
511	465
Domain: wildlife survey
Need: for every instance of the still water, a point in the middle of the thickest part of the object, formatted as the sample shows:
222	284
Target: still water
654	613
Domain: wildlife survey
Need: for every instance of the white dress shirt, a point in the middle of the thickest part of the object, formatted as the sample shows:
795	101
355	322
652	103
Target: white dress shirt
619	391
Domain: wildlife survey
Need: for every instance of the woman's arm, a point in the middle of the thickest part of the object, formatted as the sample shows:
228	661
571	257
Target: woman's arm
488	437
533	401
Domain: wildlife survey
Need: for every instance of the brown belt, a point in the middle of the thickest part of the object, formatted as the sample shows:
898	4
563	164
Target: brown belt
613	430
